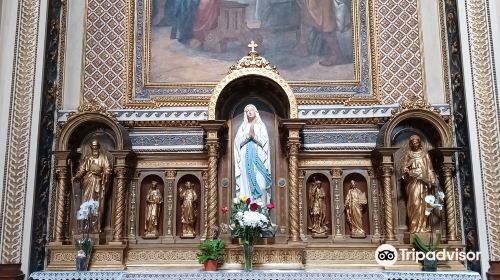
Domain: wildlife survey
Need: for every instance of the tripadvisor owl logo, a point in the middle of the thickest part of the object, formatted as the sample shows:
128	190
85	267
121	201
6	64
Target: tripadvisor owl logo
386	255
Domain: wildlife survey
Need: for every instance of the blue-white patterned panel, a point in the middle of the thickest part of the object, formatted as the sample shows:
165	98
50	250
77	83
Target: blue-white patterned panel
240	275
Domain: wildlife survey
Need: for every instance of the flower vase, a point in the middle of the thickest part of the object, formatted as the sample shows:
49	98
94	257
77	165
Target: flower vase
82	263
430	265
248	255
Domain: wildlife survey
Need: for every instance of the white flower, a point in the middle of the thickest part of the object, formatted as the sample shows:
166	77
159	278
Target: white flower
430	199
239	215
236	200
80	216
81	254
254	219
440	195
428	211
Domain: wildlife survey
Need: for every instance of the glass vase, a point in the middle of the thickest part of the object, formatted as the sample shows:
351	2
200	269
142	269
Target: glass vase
248	255
82	263
430	265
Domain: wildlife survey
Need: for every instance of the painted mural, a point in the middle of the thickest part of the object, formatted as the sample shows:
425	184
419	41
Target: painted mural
198	40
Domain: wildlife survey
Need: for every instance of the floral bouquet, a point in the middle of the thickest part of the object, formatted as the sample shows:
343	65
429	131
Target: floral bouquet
248	220
87	216
435	205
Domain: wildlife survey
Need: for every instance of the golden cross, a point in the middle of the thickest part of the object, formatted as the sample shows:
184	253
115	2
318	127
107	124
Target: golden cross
252	45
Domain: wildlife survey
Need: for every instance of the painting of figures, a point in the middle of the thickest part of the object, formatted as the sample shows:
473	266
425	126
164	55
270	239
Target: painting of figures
198	40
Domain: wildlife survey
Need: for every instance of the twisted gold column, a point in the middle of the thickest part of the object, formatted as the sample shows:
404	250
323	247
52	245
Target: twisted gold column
293	214
120	204
212	201
387	186
451	234
62	173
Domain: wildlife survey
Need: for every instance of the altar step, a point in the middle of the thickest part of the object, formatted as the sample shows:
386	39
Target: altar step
255	275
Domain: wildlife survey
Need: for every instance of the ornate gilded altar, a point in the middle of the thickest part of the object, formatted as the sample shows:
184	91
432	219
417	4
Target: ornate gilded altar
314	173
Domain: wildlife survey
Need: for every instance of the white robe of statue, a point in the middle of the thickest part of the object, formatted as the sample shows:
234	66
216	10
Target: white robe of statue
252	162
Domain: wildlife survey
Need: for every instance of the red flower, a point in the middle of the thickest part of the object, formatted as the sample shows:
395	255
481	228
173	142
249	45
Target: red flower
270	206
248	201
224	209
254	206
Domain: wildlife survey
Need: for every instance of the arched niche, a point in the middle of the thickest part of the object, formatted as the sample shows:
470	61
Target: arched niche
271	78
83	124
325	185
252	87
145	185
362	185
417	119
181	183
430	124
71	147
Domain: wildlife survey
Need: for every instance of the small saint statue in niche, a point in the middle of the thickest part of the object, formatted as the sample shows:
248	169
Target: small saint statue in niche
154	200
94	173
189	200
355	201
252	158
317	209
419	175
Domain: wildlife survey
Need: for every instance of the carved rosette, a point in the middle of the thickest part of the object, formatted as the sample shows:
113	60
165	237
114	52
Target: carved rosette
62	173
121	176
389	215
447	172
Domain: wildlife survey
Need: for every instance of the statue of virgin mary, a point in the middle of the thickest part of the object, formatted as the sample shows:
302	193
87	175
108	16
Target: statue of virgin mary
252	162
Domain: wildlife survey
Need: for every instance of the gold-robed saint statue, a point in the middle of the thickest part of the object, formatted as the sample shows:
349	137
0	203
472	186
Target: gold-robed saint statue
317	209
94	173
154	200
189	200
418	173
355	201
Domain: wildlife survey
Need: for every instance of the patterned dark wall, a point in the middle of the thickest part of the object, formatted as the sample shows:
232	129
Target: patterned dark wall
47	115
461	132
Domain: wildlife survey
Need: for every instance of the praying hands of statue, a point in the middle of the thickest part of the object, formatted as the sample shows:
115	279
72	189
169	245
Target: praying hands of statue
251	134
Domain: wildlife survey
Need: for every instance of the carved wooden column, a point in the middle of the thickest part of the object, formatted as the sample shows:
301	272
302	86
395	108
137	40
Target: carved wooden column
336	177
133	208
301	204
204	177
447	168
121	170
387	171
376	203
170	178
293	145
211	199
62	186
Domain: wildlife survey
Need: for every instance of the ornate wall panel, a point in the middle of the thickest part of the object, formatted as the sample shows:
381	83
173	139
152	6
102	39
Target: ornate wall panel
105	52
487	117
19	132
51	92
464	168
399	51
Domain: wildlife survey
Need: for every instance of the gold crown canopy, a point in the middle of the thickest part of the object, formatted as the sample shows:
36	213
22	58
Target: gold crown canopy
253	60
